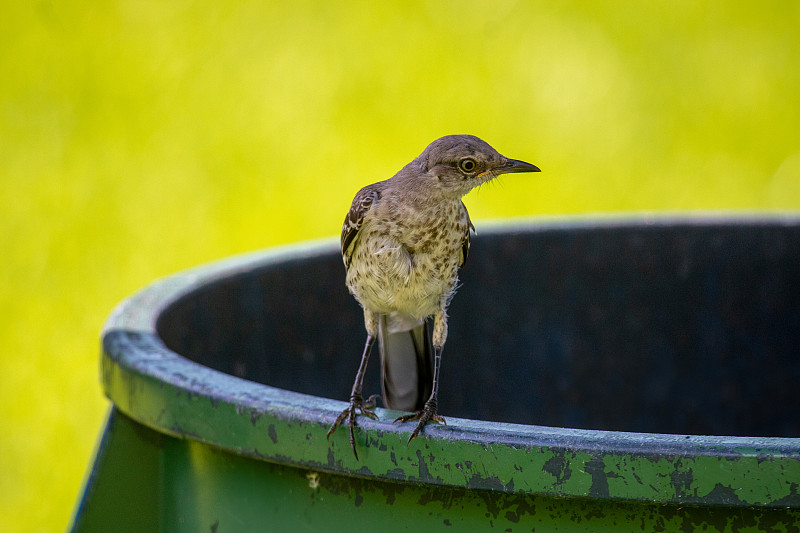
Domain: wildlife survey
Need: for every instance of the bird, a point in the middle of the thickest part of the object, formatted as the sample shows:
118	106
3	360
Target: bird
403	241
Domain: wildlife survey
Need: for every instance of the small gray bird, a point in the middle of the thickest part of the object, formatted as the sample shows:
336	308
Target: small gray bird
403	242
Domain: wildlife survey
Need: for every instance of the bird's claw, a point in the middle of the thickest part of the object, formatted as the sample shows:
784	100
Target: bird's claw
427	414
357	405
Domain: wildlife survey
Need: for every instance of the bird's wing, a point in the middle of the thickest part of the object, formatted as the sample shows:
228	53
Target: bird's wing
465	238
362	203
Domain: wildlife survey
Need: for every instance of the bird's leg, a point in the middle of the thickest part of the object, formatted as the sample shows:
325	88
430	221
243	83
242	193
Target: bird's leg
429	411
357	403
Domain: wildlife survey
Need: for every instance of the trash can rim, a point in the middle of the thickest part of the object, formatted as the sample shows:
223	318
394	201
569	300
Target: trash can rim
167	392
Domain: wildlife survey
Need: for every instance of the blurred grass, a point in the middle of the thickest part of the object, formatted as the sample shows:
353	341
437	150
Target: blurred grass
140	138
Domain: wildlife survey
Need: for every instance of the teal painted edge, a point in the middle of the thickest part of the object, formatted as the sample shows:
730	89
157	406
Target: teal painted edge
176	396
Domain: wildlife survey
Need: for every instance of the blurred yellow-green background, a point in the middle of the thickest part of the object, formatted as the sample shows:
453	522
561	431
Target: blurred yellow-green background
139	138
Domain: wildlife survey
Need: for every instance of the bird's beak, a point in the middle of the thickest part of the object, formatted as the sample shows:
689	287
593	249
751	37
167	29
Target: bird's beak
513	165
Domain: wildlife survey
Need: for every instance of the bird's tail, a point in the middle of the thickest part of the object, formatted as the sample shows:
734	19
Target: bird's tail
406	362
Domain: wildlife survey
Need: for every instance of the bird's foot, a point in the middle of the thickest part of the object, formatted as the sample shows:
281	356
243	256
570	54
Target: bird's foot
357	405
427	414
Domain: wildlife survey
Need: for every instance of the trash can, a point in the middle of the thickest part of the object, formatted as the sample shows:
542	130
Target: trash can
631	374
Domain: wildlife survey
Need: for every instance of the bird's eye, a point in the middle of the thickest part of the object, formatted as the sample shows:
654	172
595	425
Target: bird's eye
467	164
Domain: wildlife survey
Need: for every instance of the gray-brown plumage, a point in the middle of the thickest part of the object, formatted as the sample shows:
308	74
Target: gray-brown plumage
403	241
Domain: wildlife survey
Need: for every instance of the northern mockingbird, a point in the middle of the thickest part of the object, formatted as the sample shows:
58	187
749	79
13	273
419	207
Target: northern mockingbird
403	241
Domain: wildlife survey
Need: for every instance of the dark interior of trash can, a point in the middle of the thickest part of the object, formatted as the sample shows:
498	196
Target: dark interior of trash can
669	328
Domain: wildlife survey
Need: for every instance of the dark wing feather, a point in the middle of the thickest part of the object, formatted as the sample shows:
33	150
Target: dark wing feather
465	240
362	203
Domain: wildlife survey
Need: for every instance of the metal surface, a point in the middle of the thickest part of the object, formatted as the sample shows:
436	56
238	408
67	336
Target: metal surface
690	325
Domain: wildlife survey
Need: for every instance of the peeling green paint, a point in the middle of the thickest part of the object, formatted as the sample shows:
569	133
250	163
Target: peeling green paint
170	394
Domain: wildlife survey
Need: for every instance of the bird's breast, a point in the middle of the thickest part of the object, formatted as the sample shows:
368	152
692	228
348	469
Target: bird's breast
414	272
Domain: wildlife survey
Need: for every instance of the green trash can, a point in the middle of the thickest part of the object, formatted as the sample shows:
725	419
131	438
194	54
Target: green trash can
587	364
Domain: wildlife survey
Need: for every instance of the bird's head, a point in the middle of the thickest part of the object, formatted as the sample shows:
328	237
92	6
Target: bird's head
460	163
